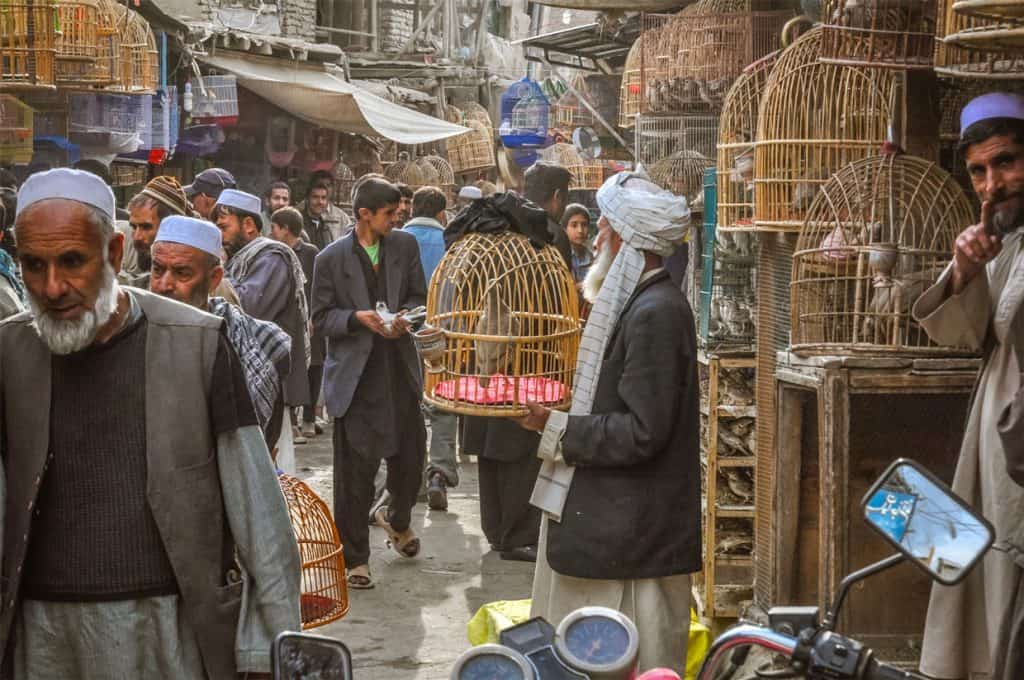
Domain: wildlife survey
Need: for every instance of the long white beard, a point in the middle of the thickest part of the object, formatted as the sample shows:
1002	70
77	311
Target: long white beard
595	277
67	336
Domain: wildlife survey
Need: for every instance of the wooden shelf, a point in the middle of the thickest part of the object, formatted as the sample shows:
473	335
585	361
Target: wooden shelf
735	560
734	512
737	461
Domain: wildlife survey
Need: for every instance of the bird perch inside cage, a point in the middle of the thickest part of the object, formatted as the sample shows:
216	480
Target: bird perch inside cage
879	233
509	314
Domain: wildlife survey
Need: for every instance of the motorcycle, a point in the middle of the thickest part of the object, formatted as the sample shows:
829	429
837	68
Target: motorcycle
929	526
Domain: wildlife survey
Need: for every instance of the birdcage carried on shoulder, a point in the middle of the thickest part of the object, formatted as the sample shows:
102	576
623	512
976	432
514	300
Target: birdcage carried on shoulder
879	233
502	327
324	593
28	38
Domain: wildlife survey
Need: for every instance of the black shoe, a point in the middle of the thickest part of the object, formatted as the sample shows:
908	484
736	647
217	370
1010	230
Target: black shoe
437	493
526	553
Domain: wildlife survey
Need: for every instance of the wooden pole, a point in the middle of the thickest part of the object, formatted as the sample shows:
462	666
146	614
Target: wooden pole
426	22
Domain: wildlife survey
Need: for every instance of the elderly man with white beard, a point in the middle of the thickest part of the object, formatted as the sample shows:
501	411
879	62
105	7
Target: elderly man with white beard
620	480
144	530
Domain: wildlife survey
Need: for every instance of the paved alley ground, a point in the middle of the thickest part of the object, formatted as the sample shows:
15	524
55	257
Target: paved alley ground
412	626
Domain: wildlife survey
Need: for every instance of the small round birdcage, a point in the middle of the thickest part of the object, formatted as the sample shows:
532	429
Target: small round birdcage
28	39
682	173
879	233
569	111
814	118
503	327
445	177
139	56
78	38
970	58
472	151
324	595
631	90
736	129
405	171
879	33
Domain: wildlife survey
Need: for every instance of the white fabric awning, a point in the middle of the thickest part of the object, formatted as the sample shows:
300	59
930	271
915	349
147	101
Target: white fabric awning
315	94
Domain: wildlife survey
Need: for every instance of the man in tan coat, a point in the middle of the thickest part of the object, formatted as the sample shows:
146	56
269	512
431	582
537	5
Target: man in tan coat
976	304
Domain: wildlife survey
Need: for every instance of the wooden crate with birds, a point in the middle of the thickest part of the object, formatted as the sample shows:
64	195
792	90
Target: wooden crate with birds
879	233
28	45
971	46
502	327
879	33
814	119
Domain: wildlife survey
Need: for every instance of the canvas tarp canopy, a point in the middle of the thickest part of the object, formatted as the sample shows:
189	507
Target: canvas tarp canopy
318	94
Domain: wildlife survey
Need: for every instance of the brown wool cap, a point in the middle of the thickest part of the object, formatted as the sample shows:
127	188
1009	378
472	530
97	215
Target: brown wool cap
167	190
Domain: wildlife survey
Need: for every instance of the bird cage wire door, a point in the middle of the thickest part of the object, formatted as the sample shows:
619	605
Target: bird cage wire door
877	236
955	60
814	119
16	125
28	37
736	130
324	593
879	33
659	137
509	313
524	115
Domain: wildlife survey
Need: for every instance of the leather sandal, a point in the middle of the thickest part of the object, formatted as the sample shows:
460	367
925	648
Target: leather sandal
406	543
359	578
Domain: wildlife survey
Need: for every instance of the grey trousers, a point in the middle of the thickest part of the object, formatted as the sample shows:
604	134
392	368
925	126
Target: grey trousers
441	454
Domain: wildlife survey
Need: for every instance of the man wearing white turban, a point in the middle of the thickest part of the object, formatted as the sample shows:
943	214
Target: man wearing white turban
620	481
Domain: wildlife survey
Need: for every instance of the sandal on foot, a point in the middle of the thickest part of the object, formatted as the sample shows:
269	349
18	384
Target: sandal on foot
359	578
405	543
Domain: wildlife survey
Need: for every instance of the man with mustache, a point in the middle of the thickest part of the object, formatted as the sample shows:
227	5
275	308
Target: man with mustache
145	533
158	200
976	304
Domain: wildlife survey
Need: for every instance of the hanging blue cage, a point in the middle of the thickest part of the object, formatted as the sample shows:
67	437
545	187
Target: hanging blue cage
524	115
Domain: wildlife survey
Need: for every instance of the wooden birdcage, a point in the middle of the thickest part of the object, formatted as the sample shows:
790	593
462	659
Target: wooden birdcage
736	130
879	33
956	58
139	56
28	39
631	88
345	179
429	177
445	176
476	112
569	111
682	173
999	10
405	171
324	595
453	114
814	119
78	37
472	151
879	233
587	175
658	137
16	124
509	316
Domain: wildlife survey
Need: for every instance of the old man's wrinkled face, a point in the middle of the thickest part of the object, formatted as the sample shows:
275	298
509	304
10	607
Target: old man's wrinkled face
607	246
996	168
70	274
184	273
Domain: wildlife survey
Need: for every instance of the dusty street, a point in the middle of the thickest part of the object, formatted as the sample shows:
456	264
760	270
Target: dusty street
412	626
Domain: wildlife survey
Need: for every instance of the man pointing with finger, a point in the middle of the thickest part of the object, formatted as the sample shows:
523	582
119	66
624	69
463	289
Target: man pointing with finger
976	304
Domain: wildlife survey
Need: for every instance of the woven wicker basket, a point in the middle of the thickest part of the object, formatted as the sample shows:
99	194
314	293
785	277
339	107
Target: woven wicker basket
27	45
954	60
324	591
814	119
510	317
879	233
879	33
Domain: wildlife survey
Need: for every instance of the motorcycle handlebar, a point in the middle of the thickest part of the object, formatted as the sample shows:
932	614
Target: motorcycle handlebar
877	670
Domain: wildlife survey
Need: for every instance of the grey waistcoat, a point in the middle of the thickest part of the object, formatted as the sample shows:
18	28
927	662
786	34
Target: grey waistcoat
182	486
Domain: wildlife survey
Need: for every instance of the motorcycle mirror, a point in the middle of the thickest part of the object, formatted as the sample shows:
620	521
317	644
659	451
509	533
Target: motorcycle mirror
928	523
301	656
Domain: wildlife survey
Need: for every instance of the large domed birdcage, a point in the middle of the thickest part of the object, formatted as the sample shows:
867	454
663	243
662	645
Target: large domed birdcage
503	317
879	233
445	176
814	119
139	56
879	33
972	59
569	111
631	88
405	171
736	130
682	173
472	151
78	37
28	37
324	595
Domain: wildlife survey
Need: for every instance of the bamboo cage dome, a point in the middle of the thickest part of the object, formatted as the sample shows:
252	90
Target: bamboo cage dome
429	176
631	89
814	119
476	112
510	319
405	171
586	174
139	56
879	33
473	150
736	131
78	37
28	38
972	59
682	173
324	596
879	233
445	180
569	111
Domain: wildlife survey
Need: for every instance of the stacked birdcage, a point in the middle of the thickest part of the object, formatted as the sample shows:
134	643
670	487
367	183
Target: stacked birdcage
879	33
1000	25
472	151
78	37
879	233
658	137
405	171
587	175
569	110
966	47
814	118
139	57
736	130
101	67
324	594
28	36
445	176
631	89
16	124
682	173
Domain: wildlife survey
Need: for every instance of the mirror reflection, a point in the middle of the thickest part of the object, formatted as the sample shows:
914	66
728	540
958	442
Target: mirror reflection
311	657
927	523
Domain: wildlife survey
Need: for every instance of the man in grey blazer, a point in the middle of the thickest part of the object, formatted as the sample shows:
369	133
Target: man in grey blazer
372	380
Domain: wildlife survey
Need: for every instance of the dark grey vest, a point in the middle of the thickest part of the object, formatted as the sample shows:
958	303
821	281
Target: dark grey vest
182	486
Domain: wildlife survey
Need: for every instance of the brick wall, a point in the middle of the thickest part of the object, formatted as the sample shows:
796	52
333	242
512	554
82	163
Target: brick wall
299	19
396	26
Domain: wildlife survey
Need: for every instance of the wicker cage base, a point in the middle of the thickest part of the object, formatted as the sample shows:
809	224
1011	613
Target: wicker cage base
990	9
994	38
